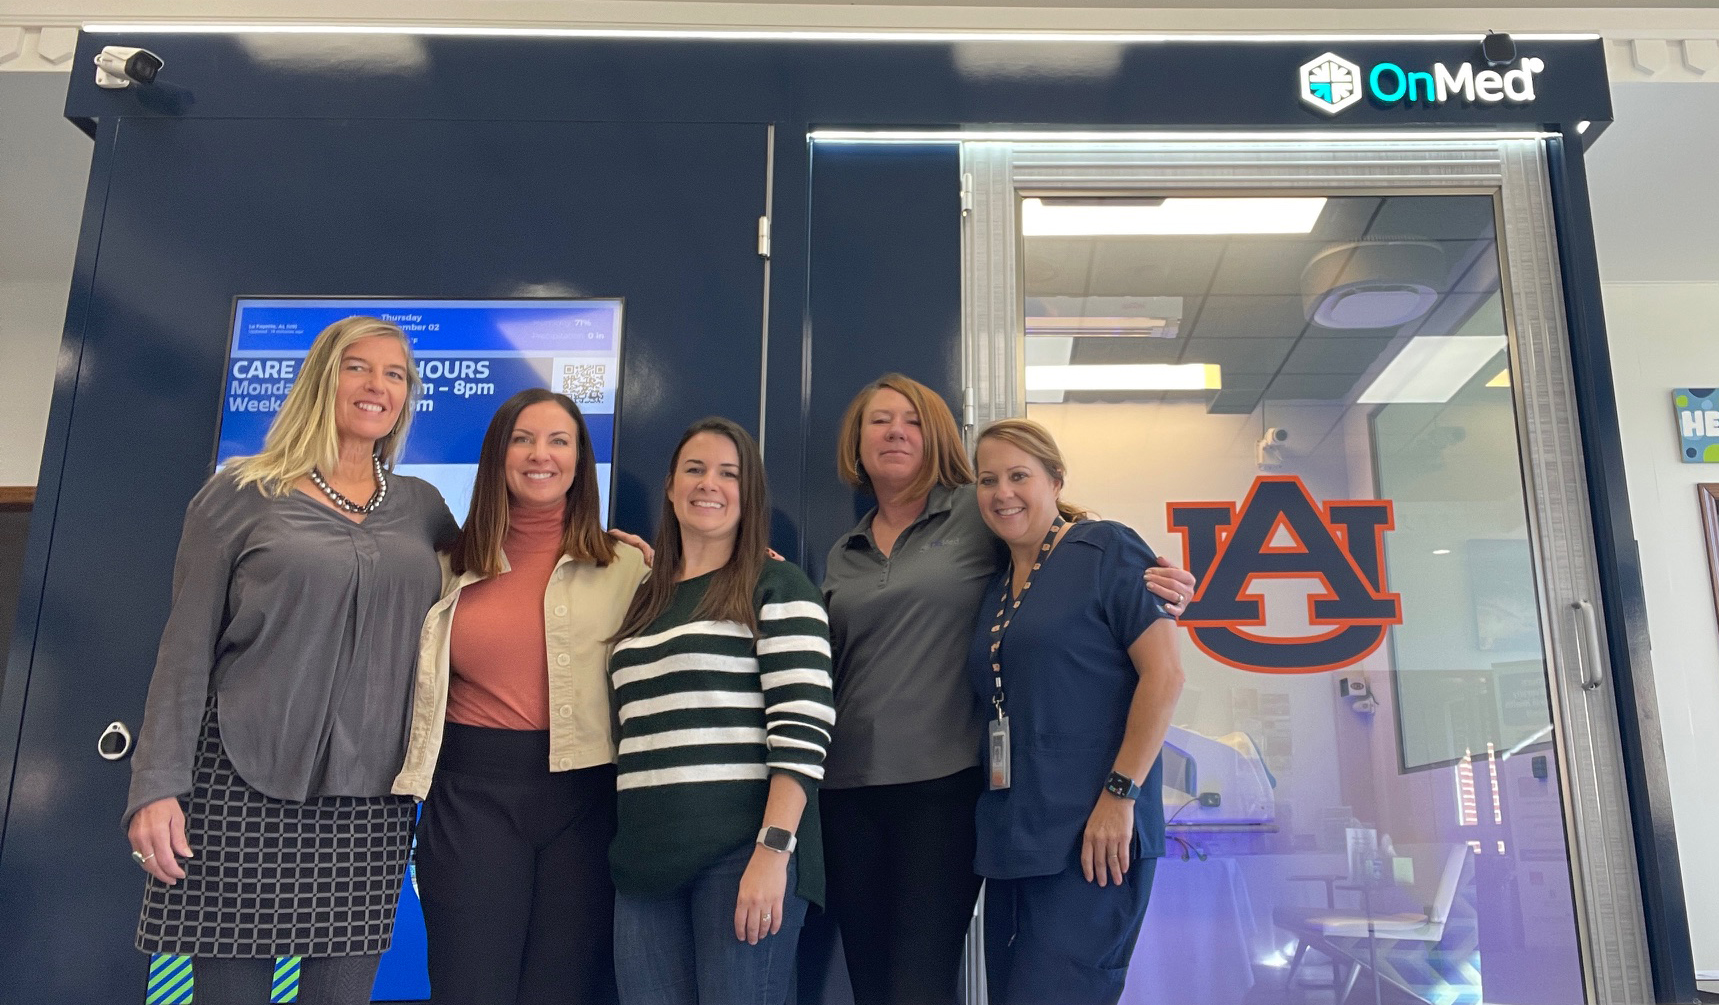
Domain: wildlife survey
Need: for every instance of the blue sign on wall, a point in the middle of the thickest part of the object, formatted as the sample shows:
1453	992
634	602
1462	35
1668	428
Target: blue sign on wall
472	356
1698	423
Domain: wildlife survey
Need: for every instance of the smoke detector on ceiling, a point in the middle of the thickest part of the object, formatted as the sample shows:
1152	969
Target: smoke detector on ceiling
1372	284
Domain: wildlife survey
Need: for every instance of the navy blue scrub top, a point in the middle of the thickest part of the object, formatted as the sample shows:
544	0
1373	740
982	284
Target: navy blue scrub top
1067	683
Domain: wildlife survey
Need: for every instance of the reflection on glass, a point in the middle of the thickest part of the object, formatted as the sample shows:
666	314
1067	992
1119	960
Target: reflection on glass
1360	780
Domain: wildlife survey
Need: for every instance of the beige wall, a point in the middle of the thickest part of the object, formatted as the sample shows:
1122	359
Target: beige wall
1666	335
43	162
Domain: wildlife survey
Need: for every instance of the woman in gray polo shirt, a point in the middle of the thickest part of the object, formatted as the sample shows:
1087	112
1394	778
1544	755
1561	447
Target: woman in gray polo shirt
276	719
902	775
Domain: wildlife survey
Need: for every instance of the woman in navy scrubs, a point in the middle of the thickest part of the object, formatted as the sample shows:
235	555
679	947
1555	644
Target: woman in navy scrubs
1075	664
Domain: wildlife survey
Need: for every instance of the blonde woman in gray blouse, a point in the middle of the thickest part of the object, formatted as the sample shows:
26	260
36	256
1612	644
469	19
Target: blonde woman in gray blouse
277	714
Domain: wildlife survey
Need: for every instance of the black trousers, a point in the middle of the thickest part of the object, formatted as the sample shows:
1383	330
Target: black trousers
513	872
322	980
898	862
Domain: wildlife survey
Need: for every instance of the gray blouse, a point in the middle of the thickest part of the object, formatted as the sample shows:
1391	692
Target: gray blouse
900	626
304	626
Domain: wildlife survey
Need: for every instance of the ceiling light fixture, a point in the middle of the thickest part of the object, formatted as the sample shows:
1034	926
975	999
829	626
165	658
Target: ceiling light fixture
1431	369
1042	218
778	34
1104	327
1126	377
1297	138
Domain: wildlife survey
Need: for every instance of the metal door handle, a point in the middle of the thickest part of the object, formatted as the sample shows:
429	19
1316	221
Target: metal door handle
1590	642
114	743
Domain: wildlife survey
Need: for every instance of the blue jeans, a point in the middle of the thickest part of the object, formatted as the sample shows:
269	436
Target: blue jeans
680	949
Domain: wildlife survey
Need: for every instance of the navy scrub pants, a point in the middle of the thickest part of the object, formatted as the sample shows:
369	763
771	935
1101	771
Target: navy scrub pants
1059	940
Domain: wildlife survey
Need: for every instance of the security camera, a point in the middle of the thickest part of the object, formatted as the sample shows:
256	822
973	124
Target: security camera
119	66
1497	48
1270	448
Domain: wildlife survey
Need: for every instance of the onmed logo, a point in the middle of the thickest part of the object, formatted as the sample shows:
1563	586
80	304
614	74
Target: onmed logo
1330	83
1280	532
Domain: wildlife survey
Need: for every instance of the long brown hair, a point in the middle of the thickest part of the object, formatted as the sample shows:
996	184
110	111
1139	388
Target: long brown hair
478	547
732	586
944	463
1036	441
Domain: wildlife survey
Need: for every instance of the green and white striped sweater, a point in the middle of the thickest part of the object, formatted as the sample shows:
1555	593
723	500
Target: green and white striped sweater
707	714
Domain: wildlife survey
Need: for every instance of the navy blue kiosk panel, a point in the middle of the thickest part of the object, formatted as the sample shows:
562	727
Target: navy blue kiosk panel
885	295
663	216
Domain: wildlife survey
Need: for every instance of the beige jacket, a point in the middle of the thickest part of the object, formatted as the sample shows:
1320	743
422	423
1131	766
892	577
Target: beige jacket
582	606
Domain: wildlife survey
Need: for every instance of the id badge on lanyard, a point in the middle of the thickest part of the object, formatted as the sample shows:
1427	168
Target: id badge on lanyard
1000	752
998	731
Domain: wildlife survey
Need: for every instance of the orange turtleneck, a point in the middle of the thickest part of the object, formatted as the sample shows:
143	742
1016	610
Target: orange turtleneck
498	654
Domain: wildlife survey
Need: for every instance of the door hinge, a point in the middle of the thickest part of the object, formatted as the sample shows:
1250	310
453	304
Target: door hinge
966	194
764	237
969	409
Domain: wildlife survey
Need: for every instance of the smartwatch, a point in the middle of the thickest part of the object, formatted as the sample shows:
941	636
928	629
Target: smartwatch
1121	786
777	840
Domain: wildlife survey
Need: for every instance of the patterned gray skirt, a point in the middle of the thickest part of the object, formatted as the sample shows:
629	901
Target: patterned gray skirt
273	878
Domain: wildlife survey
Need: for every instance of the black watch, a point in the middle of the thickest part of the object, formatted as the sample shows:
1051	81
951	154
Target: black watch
1121	786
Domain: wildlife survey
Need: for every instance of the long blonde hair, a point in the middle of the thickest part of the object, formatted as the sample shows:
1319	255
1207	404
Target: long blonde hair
1035	440
304	434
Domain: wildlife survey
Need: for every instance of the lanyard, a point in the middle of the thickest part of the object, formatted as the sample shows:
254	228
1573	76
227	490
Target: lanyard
1006	613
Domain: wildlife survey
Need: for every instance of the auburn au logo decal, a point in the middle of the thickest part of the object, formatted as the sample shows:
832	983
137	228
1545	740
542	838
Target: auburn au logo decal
1340	543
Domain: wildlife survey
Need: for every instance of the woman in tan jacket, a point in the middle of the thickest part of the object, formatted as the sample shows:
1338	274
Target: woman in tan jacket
511	746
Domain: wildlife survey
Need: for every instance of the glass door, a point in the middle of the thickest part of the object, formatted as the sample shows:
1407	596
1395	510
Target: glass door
1330	381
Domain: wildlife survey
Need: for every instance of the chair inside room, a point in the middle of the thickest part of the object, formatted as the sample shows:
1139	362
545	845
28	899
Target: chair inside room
1342	935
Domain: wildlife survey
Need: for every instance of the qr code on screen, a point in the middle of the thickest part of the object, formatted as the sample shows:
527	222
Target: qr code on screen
583	382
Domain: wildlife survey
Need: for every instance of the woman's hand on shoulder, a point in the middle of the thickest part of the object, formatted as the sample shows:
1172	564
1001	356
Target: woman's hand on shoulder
157	833
763	887
1175	585
637	542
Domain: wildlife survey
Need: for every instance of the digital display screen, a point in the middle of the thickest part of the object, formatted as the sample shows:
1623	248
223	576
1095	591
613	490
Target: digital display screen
471	354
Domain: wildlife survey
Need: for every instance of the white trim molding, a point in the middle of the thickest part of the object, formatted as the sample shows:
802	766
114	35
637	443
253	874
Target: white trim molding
37	47
1689	59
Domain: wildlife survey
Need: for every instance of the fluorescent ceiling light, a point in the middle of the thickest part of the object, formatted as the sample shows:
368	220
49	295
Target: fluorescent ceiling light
1126	377
1286	137
1582	126
1104	327
1103	316
1432	368
1502	380
831	34
1171	216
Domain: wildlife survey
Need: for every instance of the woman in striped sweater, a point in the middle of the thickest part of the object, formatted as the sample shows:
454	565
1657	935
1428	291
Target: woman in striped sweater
721	677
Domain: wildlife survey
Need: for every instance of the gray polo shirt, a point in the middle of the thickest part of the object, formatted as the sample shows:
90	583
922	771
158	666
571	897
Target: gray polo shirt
305	626
900	627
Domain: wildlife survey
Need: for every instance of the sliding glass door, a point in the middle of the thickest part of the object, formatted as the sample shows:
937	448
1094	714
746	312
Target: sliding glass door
1331	380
